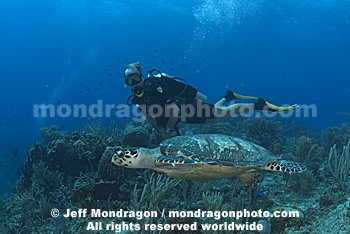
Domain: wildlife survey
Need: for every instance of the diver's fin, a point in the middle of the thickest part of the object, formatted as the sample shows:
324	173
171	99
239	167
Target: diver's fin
275	108
239	96
271	107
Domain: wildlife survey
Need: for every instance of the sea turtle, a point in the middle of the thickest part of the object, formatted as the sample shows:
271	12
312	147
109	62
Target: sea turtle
206	157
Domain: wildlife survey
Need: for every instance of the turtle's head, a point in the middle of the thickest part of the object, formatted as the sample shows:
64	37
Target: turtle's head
127	157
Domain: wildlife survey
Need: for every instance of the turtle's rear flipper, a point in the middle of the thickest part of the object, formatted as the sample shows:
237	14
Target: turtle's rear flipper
285	166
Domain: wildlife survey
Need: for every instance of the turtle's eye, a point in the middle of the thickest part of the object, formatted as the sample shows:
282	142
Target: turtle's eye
120	154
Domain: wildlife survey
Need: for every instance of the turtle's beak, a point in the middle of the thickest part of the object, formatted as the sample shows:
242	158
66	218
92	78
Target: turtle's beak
125	157
118	157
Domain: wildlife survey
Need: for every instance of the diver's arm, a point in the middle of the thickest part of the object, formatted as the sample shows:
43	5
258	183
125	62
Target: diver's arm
153	123
150	118
173	111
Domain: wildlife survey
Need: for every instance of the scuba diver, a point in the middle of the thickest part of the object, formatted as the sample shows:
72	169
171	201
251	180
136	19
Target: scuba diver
166	100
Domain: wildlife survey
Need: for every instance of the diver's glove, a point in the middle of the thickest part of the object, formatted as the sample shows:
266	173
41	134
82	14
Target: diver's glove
168	133
173	130
263	105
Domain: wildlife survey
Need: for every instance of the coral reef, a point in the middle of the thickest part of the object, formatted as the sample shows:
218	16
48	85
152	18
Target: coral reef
57	173
308	152
264	132
217	127
312	155
339	165
336	136
136	135
107	170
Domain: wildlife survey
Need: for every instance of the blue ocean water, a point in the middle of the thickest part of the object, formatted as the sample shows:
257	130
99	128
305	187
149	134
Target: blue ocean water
73	52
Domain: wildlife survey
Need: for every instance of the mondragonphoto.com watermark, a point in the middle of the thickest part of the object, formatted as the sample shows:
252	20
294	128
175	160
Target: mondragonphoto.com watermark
183	111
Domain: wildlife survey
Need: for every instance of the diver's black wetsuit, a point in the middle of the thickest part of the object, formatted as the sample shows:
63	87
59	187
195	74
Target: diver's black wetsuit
163	91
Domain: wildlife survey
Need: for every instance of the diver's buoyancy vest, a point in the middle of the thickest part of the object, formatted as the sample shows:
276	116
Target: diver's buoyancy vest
154	91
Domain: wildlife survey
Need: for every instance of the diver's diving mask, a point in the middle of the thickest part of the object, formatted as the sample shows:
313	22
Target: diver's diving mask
133	79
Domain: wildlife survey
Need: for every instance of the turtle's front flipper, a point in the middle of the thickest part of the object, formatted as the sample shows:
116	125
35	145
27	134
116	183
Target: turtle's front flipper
163	161
175	161
250	179
285	166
